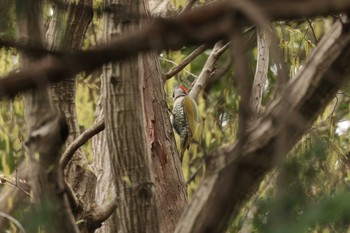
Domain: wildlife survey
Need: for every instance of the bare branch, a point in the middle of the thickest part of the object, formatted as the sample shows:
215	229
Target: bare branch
5	180
175	70
81	140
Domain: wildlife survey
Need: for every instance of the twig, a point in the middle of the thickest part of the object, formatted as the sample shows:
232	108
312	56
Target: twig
194	175
4	180
176	65
175	70
312	29
79	141
13	220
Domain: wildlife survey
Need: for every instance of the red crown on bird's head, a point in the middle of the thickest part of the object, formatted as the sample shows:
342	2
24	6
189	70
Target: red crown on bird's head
184	89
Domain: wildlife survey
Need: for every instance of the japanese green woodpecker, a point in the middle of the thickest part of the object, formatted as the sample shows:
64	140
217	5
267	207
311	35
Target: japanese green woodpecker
184	117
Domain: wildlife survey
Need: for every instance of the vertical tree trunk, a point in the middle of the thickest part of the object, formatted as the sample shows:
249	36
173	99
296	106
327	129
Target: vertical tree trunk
123	108
166	167
169	181
46	132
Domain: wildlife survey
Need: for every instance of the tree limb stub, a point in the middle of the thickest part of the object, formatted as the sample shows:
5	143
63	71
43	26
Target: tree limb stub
192	28
232	178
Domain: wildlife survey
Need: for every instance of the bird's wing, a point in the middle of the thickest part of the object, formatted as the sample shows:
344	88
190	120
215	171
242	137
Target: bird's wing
191	113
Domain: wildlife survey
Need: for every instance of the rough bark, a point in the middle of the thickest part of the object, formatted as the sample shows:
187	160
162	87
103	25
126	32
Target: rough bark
126	131
66	32
46	133
237	170
169	181
105	188
78	172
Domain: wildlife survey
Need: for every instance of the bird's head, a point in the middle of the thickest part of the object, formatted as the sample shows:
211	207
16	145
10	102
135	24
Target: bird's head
180	91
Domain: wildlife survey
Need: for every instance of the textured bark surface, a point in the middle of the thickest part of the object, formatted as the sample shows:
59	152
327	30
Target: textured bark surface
169	181
125	126
66	32
237	170
105	178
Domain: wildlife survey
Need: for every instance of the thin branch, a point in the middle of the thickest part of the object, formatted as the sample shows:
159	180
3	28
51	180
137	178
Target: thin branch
175	70
7	181
176	65
13	220
312	29
194	175
79	141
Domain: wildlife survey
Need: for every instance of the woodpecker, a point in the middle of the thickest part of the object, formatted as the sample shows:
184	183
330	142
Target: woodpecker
184	117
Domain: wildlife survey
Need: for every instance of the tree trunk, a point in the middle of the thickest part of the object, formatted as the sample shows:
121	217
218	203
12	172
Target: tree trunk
123	108
46	133
169	181
66	32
